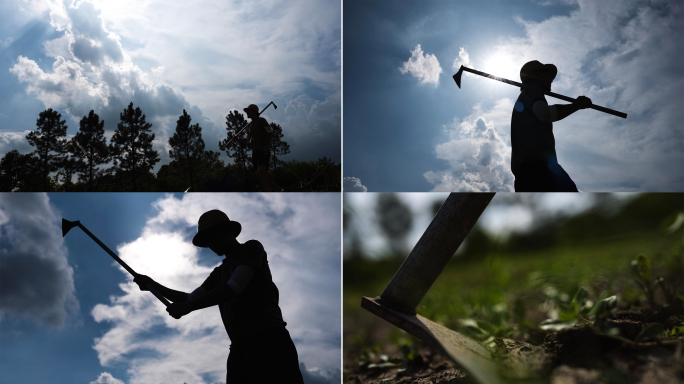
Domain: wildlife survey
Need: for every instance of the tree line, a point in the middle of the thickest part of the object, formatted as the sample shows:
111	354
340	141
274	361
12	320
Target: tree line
127	161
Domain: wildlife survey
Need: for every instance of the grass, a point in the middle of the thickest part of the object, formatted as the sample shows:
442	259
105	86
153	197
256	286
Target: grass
504	295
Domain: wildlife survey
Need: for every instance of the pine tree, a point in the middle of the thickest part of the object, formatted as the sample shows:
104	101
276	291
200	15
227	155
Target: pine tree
10	171
46	139
131	145
278	146
234	122
19	172
89	148
395	219
187	146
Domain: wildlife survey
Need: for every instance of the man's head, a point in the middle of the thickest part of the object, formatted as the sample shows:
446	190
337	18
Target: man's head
217	232
252	111
536	73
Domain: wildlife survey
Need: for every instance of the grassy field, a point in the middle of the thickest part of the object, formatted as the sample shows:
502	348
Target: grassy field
508	295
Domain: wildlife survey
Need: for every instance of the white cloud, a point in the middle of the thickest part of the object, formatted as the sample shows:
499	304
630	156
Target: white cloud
310	124
624	56
478	152
166	57
92	71
301	237
106	378
462	59
36	280
15	140
353	184
425	67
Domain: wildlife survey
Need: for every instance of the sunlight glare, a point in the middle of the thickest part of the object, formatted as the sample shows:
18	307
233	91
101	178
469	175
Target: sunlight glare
502	65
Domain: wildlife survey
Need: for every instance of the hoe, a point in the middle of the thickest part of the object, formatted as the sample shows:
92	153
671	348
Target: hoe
66	227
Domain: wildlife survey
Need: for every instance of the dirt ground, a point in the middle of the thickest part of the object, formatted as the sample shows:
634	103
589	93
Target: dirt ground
578	355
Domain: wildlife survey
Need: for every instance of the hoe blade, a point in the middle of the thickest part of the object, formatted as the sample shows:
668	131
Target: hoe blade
457	76
67	225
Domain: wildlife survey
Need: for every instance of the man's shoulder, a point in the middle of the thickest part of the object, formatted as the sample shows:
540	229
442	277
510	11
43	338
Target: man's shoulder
252	255
253	246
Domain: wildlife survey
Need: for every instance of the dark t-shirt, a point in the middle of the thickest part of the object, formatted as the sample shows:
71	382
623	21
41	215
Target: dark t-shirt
256	308
258	131
531	139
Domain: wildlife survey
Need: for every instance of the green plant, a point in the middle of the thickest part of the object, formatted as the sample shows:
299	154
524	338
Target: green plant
641	269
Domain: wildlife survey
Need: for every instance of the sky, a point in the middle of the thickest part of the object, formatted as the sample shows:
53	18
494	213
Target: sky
408	127
505	214
68	307
208	57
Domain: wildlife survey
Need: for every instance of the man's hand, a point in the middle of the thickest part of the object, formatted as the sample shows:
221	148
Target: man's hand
143	282
178	310
582	102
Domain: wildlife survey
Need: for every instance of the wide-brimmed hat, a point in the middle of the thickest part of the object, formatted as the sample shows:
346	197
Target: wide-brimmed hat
535	70
253	108
213	219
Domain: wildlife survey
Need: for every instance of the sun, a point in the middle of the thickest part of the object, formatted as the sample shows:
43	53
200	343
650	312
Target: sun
502	65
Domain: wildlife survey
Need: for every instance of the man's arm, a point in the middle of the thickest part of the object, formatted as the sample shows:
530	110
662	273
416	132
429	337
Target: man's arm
171	294
565	110
217	296
224	292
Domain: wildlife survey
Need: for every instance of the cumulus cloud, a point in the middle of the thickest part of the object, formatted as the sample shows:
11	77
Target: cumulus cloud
477	151
625	57
425	67
36	281
106	378
462	59
317	377
15	140
92	71
310	124
622	56
303	248
217	55
353	184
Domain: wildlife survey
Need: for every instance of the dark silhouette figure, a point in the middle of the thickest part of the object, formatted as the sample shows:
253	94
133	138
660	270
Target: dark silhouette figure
187	146
260	137
261	349
48	142
131	145
89	148
533	161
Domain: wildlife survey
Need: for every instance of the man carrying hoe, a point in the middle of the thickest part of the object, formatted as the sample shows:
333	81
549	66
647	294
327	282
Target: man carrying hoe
533	160
259	136
244	291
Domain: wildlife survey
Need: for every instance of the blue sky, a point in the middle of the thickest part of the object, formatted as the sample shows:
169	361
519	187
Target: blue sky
408	127
70	309
209	58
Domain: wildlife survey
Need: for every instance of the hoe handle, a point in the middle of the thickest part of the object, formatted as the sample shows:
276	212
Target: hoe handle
556	95
123	263
593	106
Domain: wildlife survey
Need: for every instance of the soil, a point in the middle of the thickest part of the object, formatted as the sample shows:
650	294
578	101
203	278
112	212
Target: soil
577	355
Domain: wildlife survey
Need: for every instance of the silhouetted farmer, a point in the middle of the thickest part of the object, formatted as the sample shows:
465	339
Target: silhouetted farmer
261	349
260	134
533	160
